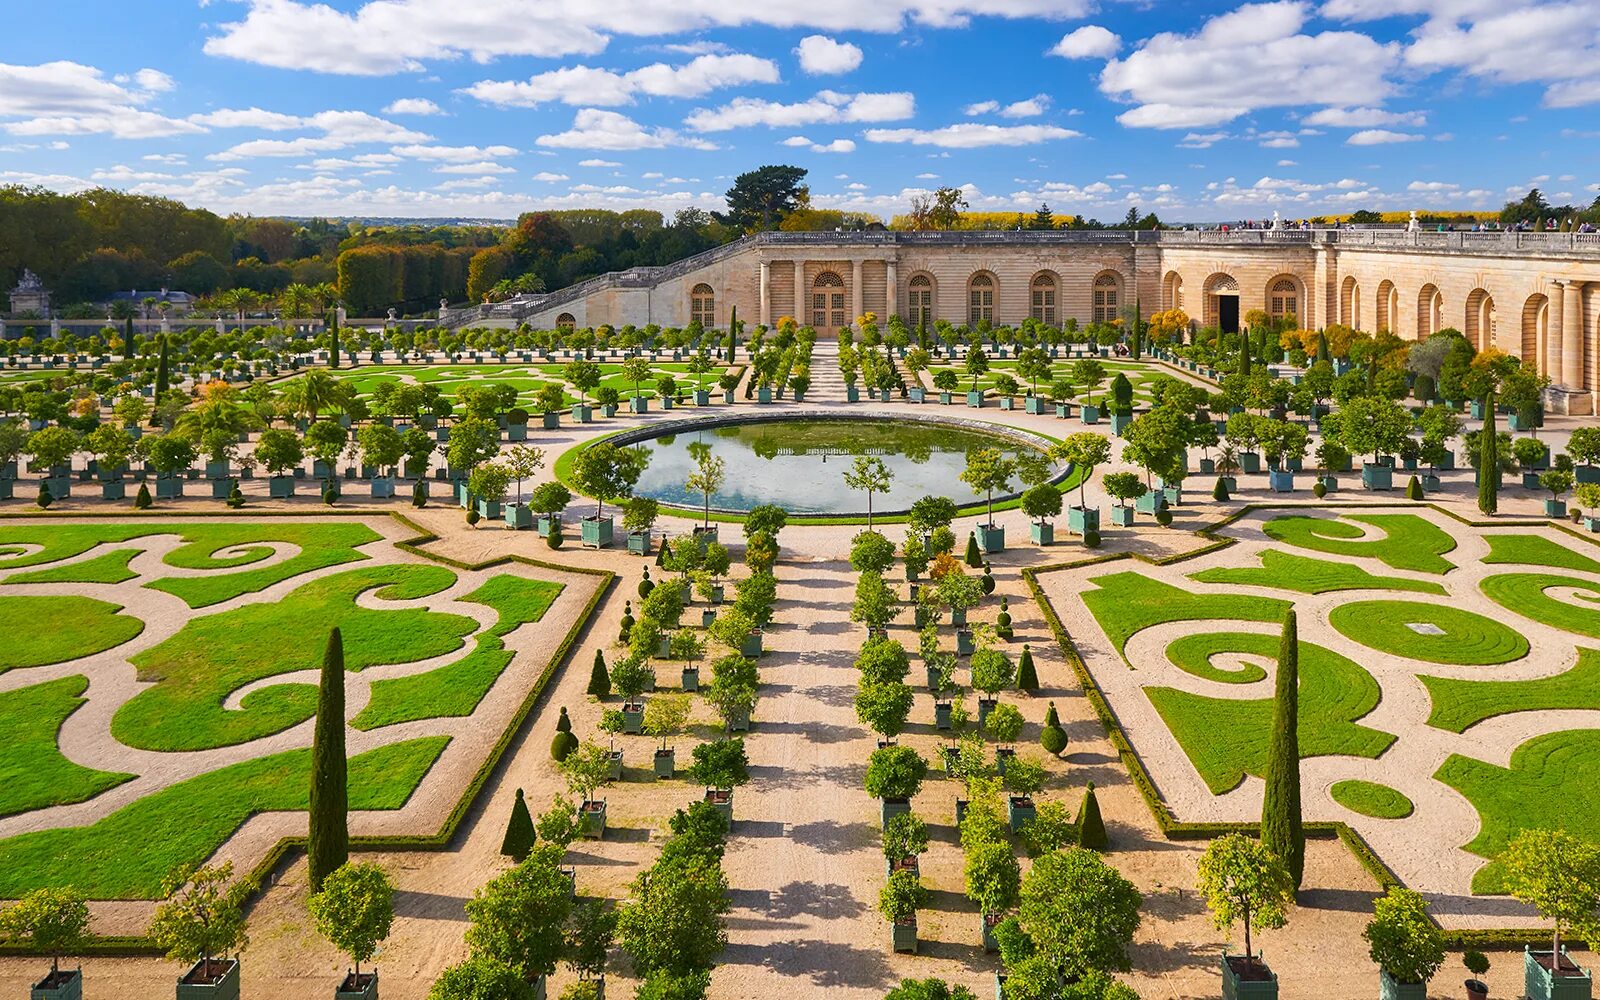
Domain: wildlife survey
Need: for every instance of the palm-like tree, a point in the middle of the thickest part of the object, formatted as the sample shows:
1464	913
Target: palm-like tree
239	301
315	392
298	301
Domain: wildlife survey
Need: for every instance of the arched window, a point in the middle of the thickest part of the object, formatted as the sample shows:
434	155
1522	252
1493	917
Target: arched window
921	300
1536	333
1283	302
1106	287
566	322
1043	298
1430	311
703	306
1388	306
827	301
1350	303
980	298
1480	319
1172	290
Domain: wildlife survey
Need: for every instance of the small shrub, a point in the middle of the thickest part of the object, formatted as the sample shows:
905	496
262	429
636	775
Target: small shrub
1320	490
142	501
1091	539
1164	517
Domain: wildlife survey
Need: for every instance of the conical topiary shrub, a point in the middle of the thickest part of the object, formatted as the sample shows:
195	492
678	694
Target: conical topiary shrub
599	677
564	724
419	495
974	557
1091	828
44	499
627	622
646	585
520	836
1219	492
1414	489
1053	738
661	554
141	500
1027	674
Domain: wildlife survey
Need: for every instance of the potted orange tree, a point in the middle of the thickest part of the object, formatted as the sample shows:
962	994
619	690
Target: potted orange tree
1242	881
203	916
53	921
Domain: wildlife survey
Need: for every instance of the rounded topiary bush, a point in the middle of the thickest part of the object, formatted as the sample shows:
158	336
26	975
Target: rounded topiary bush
44	499
1320	490
1164	518
988	580
562	745
472	516
1091	539
555	538
1052	737
627	622
646	585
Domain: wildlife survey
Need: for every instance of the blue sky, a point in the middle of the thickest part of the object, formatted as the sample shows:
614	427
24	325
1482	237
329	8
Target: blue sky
445	108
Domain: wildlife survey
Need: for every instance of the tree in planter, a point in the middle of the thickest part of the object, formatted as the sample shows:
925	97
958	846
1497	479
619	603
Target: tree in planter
688	646
203	916
520	835
632	675
326	439
871	552
1089	373
583	375
489	482
1559	875
1042	501
1080	913
279	450
665	603
1025	776
550	499
665	717
590	931
901	897
637	370
992	671
883	661
929	989
354	911
53	921
523	462
870	475
710	472
328	846
993	879
587	770
1156	442
519	918
381	446
884	707
607	472
755	596
54	446
876	605
673	921
904	836
1123	486
1282	830
1242	881
1050	830
472	442
976	366
1557	481
1086	451
720	764
988	470
558	825
915	555
1004	724
958	592
732	691
1373	426
1404	943
418	447
895	772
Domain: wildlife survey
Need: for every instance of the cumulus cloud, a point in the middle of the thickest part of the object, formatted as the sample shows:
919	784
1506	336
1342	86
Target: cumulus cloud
251	117
413	106
836	146
972	135
1365	118
454	154
1380	137
593	128
593	87
1088	42
340	130
1032	107
1250	58
826	108
823	56
981	108
68	98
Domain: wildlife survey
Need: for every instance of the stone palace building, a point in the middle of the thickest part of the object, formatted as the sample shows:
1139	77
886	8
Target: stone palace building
1532	294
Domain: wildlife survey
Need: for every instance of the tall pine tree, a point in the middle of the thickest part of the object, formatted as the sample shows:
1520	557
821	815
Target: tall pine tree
163	377
1323	354
1489	459
1282	831
1244	353
329	844
333	326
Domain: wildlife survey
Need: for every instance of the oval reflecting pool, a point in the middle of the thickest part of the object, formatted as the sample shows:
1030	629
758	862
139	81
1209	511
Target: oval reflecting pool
800	464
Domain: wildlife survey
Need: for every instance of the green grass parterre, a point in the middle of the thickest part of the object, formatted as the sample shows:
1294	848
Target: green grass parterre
1408	542
1128	602
44	629
1459	704
33	772
1372	799
1285	571
1527	595
1468	638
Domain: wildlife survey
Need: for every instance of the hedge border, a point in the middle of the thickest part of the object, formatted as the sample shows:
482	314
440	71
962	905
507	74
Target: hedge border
1169	824
282	851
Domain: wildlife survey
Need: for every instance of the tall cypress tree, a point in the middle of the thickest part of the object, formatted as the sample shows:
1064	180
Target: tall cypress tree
733	333
1244	353
333	325
1323	354
1489	459
163	376
329	845
1282	831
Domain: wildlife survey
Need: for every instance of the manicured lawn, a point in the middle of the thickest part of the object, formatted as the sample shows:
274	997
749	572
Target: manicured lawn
1226	739
1286	571
1192	654
1372	799
43	629
1127	602
1458	705
1525	594
454	690
1550	785
321	545
126	854
109	568
1466	638
33	773
1536	550
212	656
1409	543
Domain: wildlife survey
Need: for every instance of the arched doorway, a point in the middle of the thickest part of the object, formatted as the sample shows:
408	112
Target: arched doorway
827	301
1283	299
1480	319
703	306
1222	303
1107	296
919	300
1042	297
1350	303
981	289
1430	311
566	322
1388	306
1536	332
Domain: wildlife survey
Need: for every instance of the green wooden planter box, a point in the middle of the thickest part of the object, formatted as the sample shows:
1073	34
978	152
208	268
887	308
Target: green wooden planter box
890	808
1042	533
975	399
597	532
1539	984
991	538
71	989
489	510
964	645
1120	422
702	397
1152	502
721	800
592	820
1390	988
689	679
167	488
1555	508
1250	462
639	404
109	491
632	717
1280	482
941	713
615	760
738	722
1033	404
226	988
1083	519
518	517
763	394
1377	477
1234	988
1019	810
364	989
639	542
903	937
582	413
280	487
751	646
1089	414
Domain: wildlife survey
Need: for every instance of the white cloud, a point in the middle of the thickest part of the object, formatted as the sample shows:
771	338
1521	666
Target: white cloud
1288	163
981	108
252	117
340	130
480	167
1365	118
822	56
1380	137
1033	107
972	135
68	98
454	154
1202	140
469	182
413	106
1088	42
1250	58
549	178
827	107
391	36
596	129
171	159
927	177
598	163
1432	186
592	87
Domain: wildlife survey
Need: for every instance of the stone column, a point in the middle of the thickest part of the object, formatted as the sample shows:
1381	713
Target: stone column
766	294
1572	335
892	290
856	308
1551	358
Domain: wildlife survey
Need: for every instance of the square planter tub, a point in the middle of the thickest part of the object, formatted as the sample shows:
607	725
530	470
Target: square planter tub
225	988
597	532
1042	534
1235	988
666	762
1538	984
1083	519
991	538
70	987
364	988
